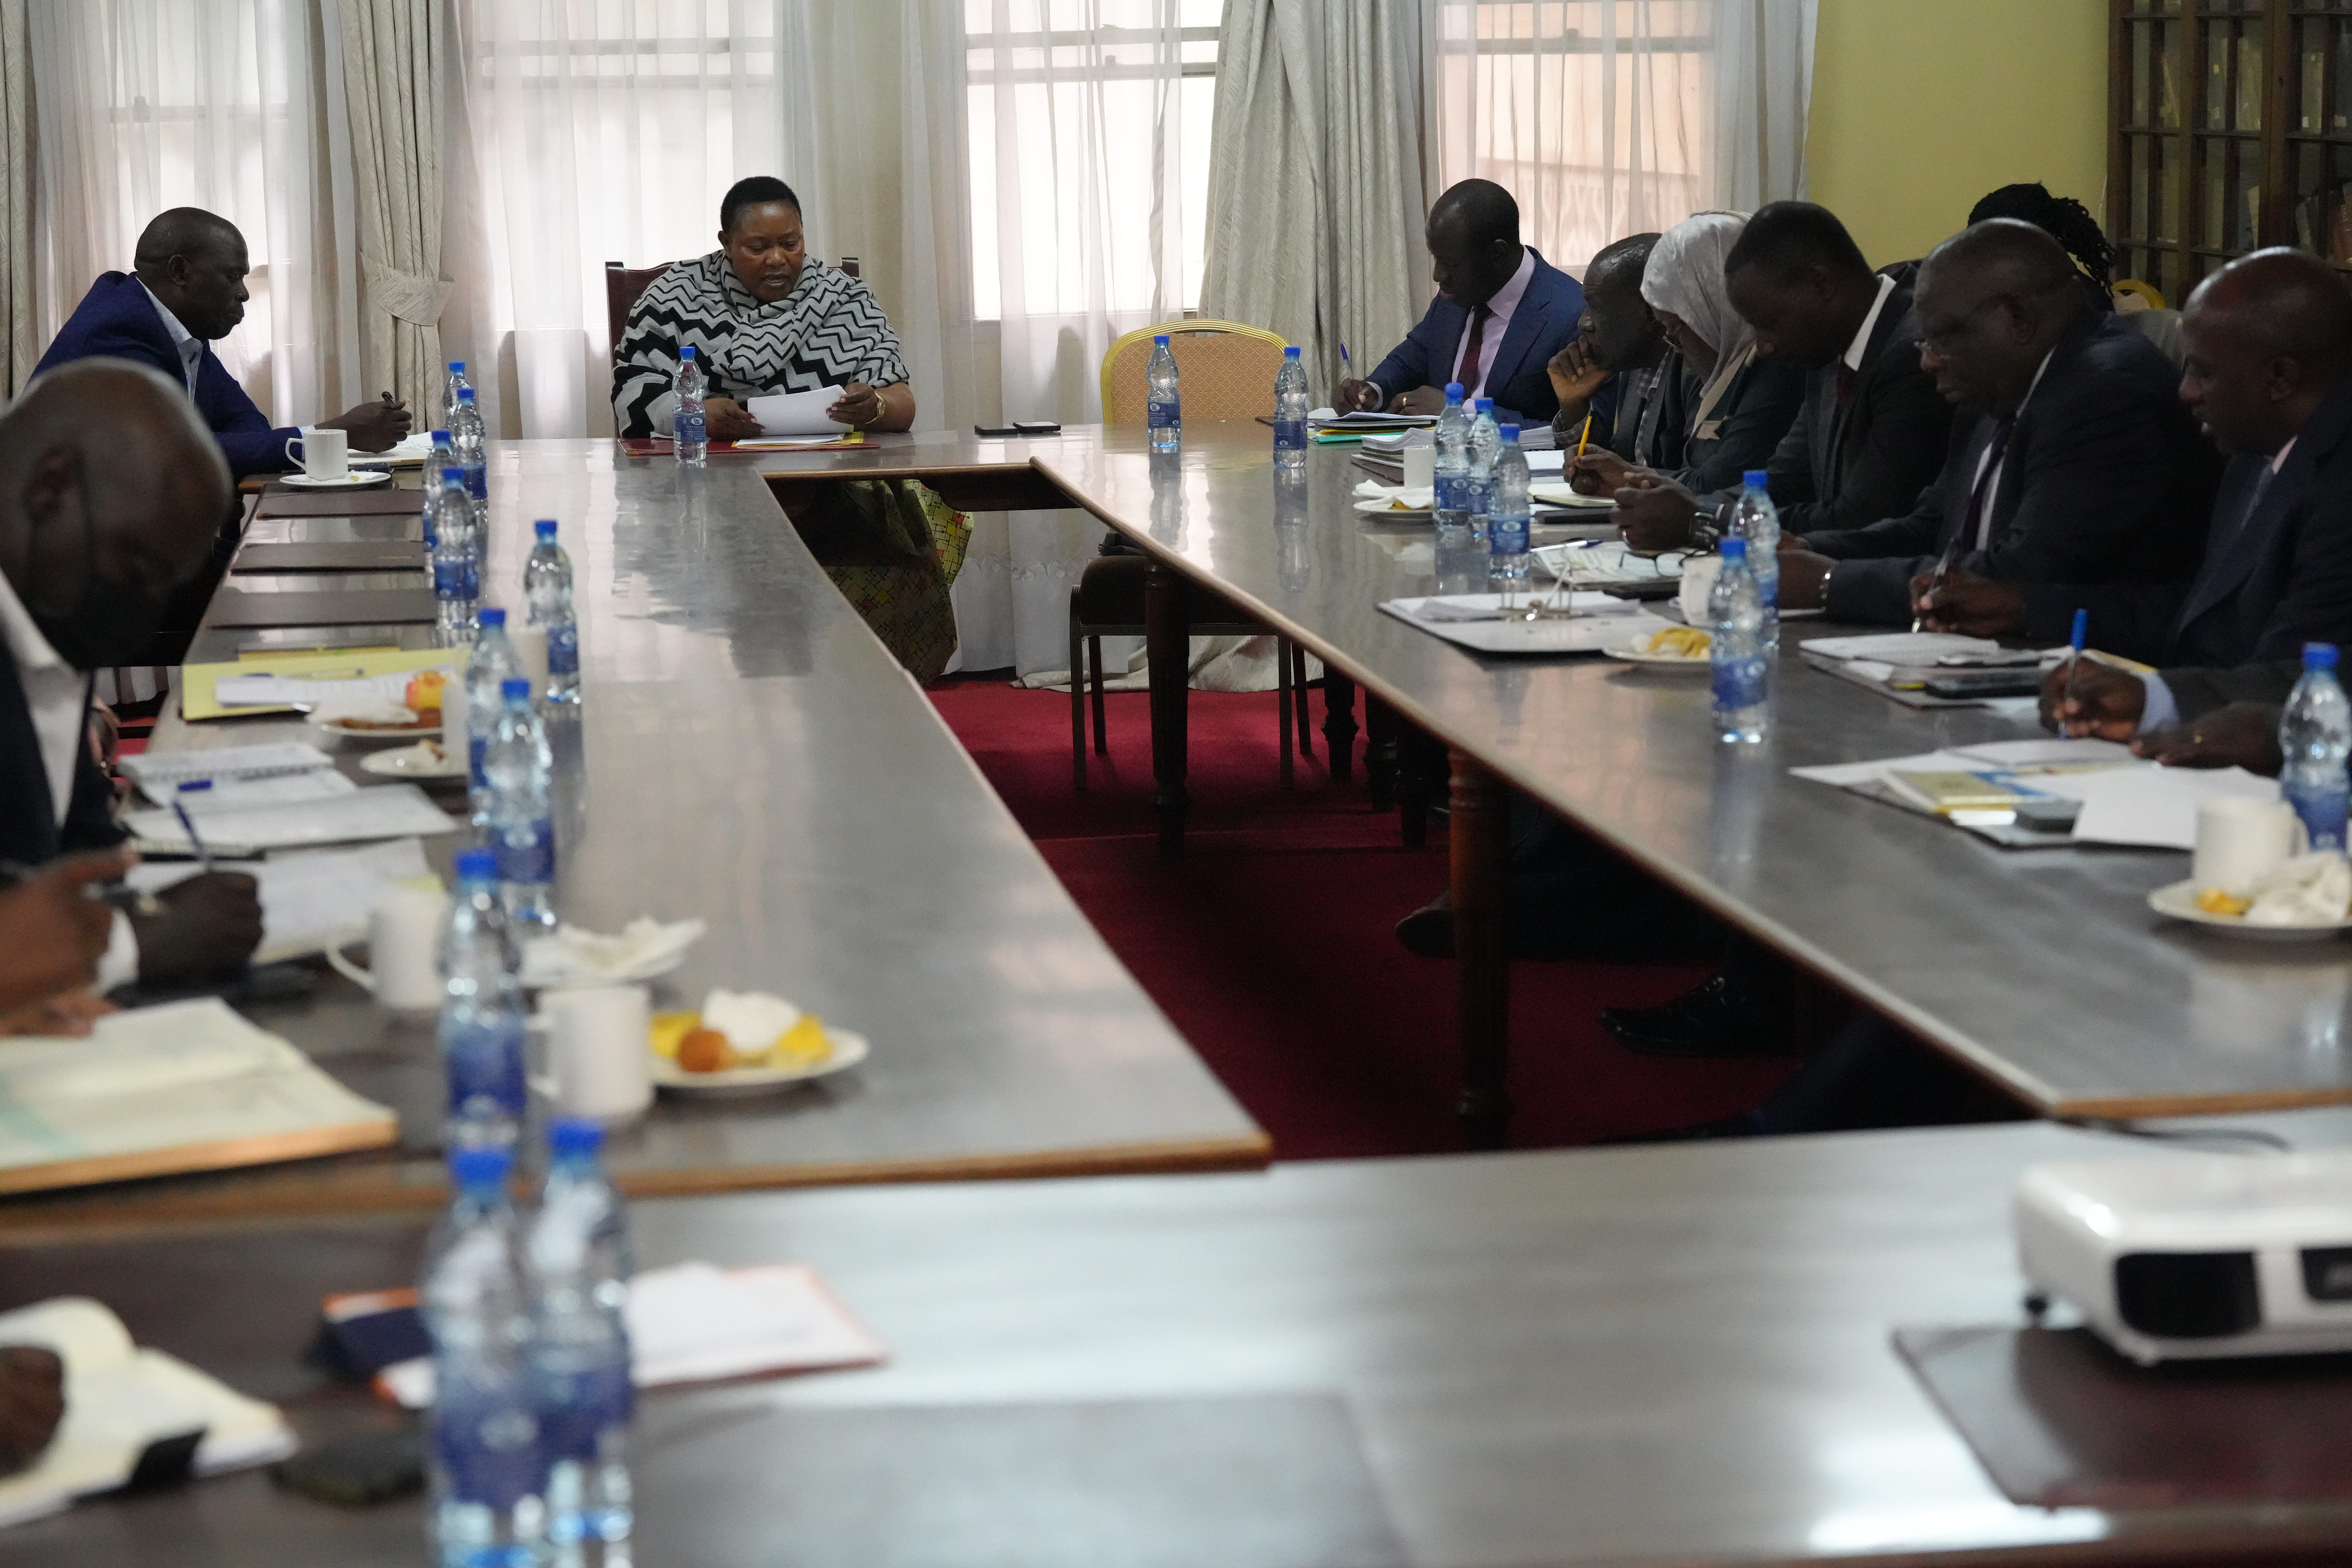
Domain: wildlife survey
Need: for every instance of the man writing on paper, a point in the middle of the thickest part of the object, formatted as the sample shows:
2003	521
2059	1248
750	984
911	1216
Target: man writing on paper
110	490
1621	369
2270	377
1502	312
187	288
2080	464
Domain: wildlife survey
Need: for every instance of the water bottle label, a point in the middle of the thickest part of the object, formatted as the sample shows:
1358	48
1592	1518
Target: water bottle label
476	746
478	482
470	586
1739	682
2323	812
486	1070
1290	435
692	428
527	854
1453	492
577	1406
449	578
489	1449
1508	536
564	650
1164	415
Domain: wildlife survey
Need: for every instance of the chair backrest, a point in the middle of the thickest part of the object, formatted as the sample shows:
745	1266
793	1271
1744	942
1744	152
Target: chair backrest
621	287
1227	369
2162	328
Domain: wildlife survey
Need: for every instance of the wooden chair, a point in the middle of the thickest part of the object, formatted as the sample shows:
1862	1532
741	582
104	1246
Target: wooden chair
1228	374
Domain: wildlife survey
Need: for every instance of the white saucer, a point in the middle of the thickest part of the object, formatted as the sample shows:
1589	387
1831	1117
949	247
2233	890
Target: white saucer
357	479
374	732
416	761
1373	506
1630	654
849	1050
2177	901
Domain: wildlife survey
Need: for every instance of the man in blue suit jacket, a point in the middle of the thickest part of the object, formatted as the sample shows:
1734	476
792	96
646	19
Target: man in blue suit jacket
189	288
1501	313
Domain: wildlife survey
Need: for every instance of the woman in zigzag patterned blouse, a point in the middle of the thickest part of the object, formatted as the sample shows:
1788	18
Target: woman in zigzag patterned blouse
765	317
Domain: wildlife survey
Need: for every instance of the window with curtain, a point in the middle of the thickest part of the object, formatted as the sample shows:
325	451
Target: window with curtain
1088	133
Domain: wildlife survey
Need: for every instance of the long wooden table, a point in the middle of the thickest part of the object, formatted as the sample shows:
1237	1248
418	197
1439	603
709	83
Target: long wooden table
749	753
1654	1355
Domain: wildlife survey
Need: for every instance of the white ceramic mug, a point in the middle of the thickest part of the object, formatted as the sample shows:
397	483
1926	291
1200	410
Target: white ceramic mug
404	939
325	455
529	644
1698	582
1420	468
596	1050
2240	838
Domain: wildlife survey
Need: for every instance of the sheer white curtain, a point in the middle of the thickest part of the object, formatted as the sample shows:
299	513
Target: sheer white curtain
607	130
1614	117
143	105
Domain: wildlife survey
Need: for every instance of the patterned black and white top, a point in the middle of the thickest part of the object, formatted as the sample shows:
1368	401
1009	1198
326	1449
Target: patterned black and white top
828	332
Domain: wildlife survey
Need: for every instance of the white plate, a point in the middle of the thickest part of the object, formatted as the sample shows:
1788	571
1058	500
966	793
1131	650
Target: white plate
1632	654
849	1050
2177	901
357	479
416	761
371	732
1373	506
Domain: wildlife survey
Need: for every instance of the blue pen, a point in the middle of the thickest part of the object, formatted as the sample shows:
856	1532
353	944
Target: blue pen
2073	661
187	825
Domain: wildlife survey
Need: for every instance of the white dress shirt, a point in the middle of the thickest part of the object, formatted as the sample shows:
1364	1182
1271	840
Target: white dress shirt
1982	522
190	346
1855	350
1505	302
57	697
2158	707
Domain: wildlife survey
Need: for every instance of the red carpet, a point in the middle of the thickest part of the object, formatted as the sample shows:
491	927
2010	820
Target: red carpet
1270	946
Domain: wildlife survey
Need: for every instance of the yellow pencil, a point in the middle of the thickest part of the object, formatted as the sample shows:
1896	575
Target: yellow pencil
1584	435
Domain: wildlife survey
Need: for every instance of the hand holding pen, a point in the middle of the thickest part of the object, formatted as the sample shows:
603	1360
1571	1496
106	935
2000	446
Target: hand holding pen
56	922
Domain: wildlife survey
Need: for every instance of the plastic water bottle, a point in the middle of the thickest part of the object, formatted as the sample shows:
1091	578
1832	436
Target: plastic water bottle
488	1474
470	449
520	767
451	384
456	582
1507	520
489	668
2314	735
547	593
576	1254
1735	649
1452	468
1164	408
439	460
481	1010
1755	519
1485	442
1290	411
690	428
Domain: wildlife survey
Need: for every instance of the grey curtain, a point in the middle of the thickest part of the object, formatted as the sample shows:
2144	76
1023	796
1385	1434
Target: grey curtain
1315	187
396	59
23	347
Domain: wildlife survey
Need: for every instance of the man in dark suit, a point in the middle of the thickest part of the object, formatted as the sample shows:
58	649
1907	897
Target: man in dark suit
2270	376
2081	465
1873	430
1500	315
1620	368
109	492
189	289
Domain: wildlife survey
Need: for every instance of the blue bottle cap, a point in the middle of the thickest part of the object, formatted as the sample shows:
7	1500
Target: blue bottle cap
1160	337
685	350
453	475
544	528
478	866
479	1165
2319	656
517	689
465	395
1290	352
1734	549
490	615
457	366
440	437
1453	392
1486	406
1510	434
1755	479
575	1135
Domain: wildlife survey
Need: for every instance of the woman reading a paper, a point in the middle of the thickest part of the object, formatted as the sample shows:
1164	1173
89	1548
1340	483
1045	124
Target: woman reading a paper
766	319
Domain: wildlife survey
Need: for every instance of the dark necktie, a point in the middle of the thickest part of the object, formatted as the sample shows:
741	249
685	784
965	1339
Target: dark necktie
1977	519
1467	372
2254	493
1846	383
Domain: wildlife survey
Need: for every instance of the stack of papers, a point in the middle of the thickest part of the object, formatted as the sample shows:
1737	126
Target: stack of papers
160	773
798	413
1478	621
1598	561
350	817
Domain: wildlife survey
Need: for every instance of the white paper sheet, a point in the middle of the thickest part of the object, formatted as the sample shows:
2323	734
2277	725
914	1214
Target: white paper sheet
386	811
2154	807
1846	775
1900	647
2051	752
284	691
1473	621
167	770
797	412
313	899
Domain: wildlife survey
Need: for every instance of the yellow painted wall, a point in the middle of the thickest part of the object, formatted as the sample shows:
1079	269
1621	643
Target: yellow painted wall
1922	106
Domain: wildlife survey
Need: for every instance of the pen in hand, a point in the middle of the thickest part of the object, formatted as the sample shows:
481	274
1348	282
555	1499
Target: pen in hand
2074	662
120	895
1934	581
188	824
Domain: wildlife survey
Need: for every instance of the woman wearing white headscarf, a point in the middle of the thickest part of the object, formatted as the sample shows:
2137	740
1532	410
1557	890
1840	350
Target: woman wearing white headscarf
1744	405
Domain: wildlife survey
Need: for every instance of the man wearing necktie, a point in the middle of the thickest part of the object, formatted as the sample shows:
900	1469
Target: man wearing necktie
1502	311
2270	378
2080	465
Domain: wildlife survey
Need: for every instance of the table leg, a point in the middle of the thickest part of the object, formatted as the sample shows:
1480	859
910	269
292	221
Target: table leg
1168	645
1381	740
1481	847
1338	724
1421	764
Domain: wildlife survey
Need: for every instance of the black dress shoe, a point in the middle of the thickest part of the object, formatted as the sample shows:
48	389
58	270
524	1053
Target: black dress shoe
1428	931
1718	1019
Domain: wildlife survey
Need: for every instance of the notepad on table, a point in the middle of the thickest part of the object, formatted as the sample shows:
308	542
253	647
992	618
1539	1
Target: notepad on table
119	1399
159	773
386	811
200	699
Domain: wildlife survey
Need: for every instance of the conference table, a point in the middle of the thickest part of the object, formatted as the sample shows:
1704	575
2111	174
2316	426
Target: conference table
1671	1355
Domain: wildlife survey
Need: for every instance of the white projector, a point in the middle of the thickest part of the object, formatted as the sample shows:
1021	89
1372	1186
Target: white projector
2197	1255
